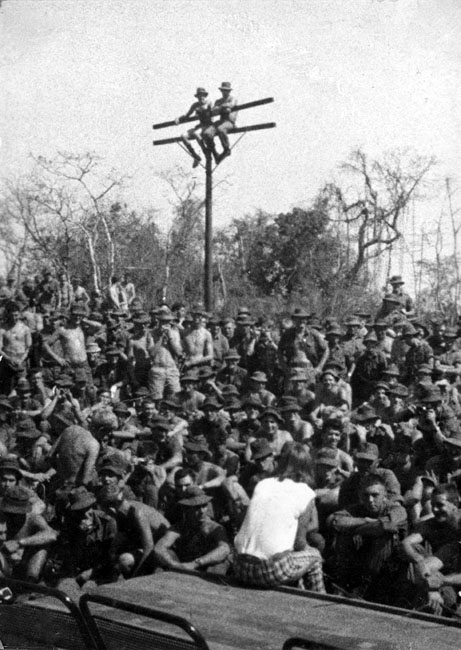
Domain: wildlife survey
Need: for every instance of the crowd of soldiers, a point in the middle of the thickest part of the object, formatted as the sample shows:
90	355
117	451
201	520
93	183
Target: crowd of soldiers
320	454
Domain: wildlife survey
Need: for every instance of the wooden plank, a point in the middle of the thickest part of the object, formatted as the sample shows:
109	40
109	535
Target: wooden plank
240	107
238	129
254	619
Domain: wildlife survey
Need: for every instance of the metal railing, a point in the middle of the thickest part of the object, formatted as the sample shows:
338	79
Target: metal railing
161	639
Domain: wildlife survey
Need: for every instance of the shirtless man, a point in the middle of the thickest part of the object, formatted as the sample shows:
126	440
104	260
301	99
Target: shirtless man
74	454
163	376
227	118
202	109
138	349
15	343
27	532
72	340
139	526
198	344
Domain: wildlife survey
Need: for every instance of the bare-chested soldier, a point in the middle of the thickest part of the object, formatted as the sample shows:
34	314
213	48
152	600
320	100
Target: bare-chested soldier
198	343
15	343
202	109
163	377
72	340
74	455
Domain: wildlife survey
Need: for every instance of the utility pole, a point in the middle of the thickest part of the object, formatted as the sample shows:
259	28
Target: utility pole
208	297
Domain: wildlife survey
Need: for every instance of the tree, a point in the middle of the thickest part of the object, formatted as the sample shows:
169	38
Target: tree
63	207
370	212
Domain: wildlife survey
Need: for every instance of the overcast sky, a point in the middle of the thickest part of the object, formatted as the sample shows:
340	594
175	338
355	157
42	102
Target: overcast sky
82	75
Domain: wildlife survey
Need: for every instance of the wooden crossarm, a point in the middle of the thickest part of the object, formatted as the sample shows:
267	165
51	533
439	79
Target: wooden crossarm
238	129
216	111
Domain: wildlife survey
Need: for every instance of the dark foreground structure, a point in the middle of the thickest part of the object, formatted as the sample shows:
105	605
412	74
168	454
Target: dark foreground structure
160	612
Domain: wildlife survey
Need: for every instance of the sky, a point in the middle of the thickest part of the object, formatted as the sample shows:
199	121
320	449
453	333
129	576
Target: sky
94	75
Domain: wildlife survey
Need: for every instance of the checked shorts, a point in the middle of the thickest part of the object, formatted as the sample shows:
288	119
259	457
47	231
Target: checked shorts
281	568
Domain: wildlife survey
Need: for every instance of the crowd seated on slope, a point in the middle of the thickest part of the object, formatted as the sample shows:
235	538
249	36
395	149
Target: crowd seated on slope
320	455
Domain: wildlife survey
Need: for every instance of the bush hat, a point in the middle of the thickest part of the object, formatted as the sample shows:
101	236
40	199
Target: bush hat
232	354
371	337
334	330
261	449
365	413
23	385
399	391
16	500
327	456
205	373
270	411
226	85
26	429
201	91
300	312
5	404
81	499
190	376
353	321
92	348
165	315
141	318
392	371
197	445
114	463
229	389
253	402
159	423
10	465
259	376
368	451
211	403
65	381
290	407
121	409
396	279
77	310
432	395
193	497
170	402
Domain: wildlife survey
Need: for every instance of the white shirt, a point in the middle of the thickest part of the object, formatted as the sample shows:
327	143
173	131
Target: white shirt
271	520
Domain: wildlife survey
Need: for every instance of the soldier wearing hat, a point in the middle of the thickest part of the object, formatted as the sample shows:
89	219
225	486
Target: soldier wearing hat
189	398
406	301
163	376
271	429
232	373
227	117
141	341
86	545
368	369
446	466
220	342
196	543
202	108
198	343
300	430
302	346
367	534
419	351
139	526
206	474
367	462
15	344
257	389
27	531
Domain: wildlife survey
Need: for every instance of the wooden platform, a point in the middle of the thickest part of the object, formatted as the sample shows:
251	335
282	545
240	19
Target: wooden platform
234	618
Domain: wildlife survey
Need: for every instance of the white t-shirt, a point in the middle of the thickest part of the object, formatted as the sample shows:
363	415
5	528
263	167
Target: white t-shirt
271	520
